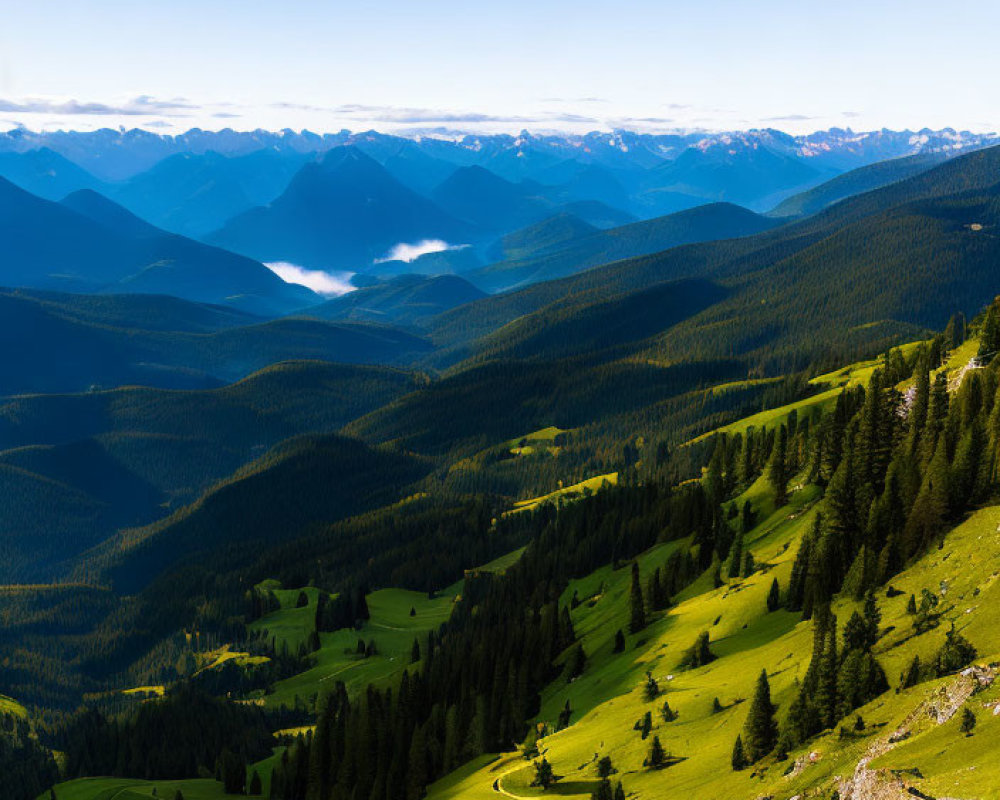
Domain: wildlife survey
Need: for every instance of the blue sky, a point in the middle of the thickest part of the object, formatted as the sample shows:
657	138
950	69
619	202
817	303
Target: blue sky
431	64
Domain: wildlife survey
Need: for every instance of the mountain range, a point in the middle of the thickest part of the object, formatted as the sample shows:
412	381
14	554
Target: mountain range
632	465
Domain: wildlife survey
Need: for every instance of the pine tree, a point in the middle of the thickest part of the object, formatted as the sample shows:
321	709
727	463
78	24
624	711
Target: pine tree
826	697
255	786
544	777
637	620
873	618
739	759
760	731
657	756
736	557
415	652
652	689
774	596
911	676
989	336
576	663
699	654
564	716
777	470
968	722
619	645
954	654
605	768
646	725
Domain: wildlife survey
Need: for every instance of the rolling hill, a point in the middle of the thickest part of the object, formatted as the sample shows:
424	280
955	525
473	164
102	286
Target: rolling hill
76	468
80	344
713	221
406	300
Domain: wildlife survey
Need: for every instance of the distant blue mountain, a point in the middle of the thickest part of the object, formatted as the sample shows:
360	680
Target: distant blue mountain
89	244
45	173
342	211
195	194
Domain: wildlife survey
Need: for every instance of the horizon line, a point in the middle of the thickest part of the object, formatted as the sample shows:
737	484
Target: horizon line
537	132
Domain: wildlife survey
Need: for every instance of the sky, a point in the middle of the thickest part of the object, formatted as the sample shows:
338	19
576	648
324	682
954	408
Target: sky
439	65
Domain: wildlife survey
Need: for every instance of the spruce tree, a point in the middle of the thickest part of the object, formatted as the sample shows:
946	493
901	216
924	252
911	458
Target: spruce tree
736	557
911	675
760	731
774	596
657	755
699	654
637	620
544	777
652	689
968	722
619	645
255	787
777	470
605	768
739	759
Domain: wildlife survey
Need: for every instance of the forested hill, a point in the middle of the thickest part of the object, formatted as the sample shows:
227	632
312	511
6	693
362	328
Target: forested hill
914	247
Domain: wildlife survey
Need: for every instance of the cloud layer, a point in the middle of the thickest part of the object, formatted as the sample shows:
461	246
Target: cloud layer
408	252
140	106
328	284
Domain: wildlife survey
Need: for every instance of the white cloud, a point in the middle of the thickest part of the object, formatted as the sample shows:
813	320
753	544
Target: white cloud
329	284
409	252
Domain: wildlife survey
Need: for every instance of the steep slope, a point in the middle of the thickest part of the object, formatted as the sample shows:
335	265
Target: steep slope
194	194
342	211
92	463
406	300
862	179
603	328
89	245
714	221
302	482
